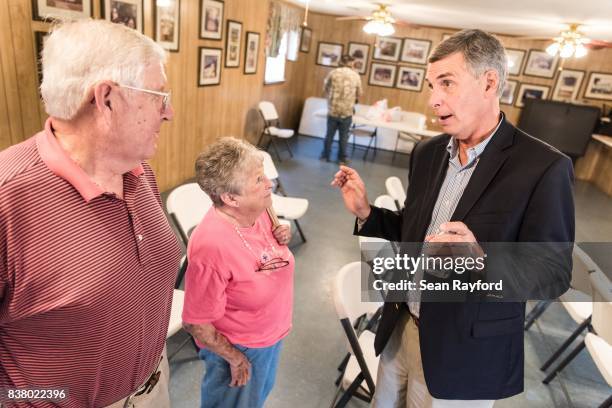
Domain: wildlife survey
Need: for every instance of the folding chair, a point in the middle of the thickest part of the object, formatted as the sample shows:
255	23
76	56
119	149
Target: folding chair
187	204
271	128
289	208
599	340
362	363
396	190
176	314
385	201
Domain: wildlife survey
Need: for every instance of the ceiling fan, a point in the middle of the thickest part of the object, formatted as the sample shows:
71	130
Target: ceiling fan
380	22
571	42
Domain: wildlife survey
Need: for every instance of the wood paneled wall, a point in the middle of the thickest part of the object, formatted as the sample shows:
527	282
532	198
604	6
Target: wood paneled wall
204	114
327	28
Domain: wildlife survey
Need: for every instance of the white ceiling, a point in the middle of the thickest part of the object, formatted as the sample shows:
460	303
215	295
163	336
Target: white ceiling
515	17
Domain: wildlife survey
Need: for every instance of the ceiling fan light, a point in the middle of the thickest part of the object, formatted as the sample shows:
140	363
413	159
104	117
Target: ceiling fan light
553	48
567	50
581	51
386	29
371	27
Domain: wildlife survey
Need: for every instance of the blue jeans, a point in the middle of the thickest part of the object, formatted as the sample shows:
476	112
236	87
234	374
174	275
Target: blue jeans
215	390
342	125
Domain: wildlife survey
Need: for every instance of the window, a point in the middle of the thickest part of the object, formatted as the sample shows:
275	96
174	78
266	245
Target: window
275	66
288	50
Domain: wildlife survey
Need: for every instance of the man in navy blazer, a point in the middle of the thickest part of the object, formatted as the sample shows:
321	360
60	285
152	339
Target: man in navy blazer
482	181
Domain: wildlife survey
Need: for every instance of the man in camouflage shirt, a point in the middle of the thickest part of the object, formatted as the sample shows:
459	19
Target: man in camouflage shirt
343	87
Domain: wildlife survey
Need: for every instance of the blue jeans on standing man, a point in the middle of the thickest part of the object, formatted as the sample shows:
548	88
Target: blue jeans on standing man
215	390
342	125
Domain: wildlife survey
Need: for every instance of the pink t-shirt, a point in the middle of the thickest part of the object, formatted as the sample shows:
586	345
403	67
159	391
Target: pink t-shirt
252	309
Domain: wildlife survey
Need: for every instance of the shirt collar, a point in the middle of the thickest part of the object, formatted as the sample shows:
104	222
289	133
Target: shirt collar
475	151
60	164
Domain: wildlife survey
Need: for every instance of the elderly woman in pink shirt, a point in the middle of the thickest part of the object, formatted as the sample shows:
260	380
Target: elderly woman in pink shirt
239	283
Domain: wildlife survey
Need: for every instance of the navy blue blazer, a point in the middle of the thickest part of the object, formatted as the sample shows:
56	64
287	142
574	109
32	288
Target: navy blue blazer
520	191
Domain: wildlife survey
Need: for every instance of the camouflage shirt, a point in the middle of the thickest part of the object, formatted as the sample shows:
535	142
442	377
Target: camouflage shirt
342	86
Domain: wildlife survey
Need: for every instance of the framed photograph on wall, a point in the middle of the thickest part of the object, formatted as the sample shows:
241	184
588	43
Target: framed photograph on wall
387	48
40	37
126	12
167	24
328	54
360	52
599	86
410	78
415	51
211	19
251	52
209	66
509	92
305	39
382	74
541	64
61	9
531	91
515	61
232	44
567	85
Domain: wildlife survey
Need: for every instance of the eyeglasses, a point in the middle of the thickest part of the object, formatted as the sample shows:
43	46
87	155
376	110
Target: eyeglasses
165	95
272	264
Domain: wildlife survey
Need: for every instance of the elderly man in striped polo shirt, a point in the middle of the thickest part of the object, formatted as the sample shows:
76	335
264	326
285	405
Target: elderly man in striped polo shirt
87	258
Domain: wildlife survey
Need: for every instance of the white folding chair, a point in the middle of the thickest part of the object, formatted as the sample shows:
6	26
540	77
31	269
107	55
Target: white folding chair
272	128
599	339
289	208
385	201
362	364
271	173
396	190
187	204
413	119
175	323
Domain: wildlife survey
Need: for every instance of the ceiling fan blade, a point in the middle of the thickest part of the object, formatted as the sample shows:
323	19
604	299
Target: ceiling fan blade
598	44
350	18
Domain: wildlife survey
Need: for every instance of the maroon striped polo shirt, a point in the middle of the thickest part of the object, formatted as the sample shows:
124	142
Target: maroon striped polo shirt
86	278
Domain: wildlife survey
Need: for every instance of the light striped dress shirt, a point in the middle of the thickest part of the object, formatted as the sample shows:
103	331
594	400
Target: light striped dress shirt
455	182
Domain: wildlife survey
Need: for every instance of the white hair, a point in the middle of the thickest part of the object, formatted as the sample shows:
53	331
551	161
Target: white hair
79	54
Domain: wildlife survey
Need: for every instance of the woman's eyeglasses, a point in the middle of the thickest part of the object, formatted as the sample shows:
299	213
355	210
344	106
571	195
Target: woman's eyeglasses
272	264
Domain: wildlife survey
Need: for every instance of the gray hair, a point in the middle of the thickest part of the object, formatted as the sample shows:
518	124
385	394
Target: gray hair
79	54
481	51
223	167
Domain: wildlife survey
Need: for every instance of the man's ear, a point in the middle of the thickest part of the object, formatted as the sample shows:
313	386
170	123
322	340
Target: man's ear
229	200
103	97
492	82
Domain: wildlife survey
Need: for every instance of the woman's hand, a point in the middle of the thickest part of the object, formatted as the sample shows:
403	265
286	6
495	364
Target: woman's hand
240	368
282	233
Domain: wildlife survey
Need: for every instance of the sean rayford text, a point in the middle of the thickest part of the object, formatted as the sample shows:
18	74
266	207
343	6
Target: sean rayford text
423	285
410	264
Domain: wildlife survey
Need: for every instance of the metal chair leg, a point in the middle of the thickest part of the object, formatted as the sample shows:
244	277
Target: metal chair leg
276	150
350	391
297	224
288	148
536	312
563	363
567	343
365	155
261	137
395	150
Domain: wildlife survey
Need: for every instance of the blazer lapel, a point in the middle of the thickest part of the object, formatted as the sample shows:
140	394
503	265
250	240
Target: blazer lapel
490	162
437	173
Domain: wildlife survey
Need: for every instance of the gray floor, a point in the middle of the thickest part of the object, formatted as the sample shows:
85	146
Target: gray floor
316	345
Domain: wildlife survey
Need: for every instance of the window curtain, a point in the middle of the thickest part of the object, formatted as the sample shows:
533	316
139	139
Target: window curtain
281	18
